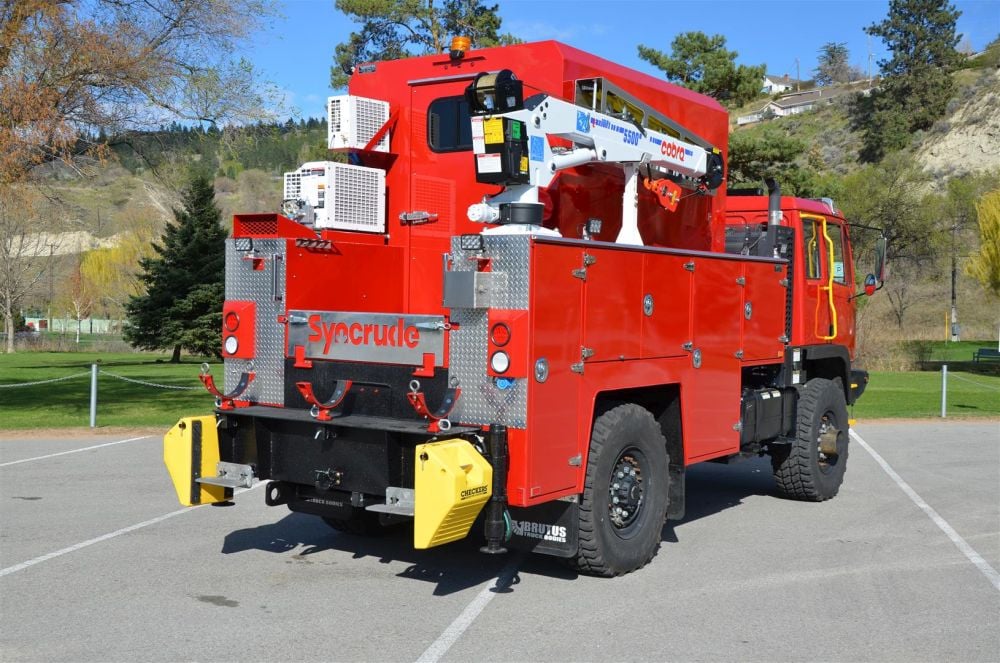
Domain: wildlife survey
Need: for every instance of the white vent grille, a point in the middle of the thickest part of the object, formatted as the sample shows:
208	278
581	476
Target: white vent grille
293	186
355	199
353	121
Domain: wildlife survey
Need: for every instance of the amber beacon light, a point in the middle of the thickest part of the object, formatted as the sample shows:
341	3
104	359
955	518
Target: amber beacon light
459	45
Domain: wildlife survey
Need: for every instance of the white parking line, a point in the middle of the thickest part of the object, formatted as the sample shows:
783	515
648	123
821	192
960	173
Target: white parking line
991	574
74	451
455	630
104	537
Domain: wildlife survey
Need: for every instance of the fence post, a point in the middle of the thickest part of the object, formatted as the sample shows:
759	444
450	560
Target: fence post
944	391
93	395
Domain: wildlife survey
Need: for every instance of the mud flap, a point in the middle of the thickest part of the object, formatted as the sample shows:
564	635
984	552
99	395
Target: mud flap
548	529
191	451
452	482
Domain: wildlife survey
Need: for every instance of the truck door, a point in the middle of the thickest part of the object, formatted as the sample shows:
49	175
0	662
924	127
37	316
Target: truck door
827	316
843	283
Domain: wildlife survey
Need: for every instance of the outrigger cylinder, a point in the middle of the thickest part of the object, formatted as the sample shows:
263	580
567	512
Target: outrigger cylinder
496	528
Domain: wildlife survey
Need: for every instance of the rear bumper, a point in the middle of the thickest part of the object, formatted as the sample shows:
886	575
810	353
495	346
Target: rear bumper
354	453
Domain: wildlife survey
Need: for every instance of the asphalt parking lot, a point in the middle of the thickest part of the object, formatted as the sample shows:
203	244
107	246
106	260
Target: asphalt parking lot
99	563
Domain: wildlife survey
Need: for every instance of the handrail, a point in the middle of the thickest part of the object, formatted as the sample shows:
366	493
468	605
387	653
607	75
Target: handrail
829	282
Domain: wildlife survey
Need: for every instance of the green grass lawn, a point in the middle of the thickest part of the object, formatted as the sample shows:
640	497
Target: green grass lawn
119	403
67	404
918	394
961	351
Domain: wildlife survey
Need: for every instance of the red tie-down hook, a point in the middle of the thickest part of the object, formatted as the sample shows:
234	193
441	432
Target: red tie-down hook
227	401
439	418
321	410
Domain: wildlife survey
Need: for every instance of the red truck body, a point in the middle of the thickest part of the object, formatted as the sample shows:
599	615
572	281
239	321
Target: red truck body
698	326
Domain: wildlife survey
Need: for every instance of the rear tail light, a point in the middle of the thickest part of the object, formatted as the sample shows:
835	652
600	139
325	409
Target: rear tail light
507	346
239	320
500	334
500	362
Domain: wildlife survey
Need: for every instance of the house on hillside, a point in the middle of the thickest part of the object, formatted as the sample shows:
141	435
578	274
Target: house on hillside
795	103
778	84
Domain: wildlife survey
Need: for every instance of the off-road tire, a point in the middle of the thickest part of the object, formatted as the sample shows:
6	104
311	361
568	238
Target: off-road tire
801	471
360	523
626	436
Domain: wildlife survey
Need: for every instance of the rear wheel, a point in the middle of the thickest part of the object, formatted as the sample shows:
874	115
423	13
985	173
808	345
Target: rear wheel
812	467
624	501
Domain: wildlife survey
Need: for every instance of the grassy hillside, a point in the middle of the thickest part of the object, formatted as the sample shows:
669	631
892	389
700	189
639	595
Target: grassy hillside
137	188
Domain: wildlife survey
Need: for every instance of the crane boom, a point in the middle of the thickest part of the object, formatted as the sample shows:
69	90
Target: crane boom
594	137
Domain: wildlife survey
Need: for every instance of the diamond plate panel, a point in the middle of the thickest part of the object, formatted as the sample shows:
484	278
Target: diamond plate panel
261	286
481	401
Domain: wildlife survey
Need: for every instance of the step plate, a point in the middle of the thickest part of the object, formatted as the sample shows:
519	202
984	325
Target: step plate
223	481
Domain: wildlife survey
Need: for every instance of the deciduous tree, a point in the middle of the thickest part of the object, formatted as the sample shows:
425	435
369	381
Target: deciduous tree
985	263
72	71
22	254
892	196
182	305
704	64
78	295
393	29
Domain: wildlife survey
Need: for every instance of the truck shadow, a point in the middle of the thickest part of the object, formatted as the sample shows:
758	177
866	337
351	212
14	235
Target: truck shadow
713	488
307	540
458	566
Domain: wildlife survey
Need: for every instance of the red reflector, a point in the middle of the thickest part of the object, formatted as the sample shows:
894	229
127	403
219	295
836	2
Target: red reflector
232	321
500	334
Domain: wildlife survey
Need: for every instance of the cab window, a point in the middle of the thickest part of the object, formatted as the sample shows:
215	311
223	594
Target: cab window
449	128
812	243
836	233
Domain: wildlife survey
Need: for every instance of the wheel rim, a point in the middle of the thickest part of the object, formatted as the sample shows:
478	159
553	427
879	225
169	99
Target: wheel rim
626	492
828	440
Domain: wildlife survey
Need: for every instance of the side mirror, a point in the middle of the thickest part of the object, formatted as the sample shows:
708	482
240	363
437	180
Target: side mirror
881	248
871	285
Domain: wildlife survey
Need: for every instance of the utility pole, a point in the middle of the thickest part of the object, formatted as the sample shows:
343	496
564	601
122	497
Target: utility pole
955	335
797	76
48	311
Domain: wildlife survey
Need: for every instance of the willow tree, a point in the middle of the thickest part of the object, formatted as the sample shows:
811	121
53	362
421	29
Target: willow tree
985	263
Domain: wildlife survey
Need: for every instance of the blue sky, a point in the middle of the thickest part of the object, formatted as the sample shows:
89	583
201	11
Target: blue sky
297	50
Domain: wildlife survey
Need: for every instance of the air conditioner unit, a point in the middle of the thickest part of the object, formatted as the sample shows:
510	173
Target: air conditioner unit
353	121
336	196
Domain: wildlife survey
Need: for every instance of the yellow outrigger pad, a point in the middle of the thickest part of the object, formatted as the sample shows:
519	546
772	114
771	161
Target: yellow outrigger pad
452	482
191	451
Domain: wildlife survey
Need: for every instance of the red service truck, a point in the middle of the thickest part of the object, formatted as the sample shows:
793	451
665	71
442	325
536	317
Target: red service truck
525	302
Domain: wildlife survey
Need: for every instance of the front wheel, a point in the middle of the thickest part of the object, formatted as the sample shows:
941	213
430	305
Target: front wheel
812	467
624	501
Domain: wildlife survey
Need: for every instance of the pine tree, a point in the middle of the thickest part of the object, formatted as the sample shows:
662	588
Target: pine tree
833	64
182	305
704	64
393	29
917	83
